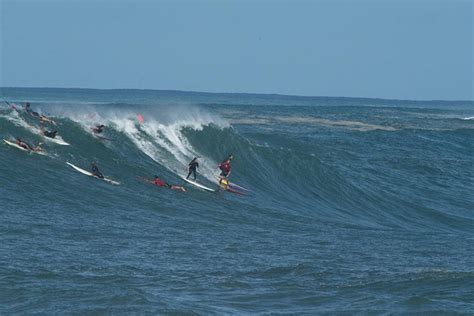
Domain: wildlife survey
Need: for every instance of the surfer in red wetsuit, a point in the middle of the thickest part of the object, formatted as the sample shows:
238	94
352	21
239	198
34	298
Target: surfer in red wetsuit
225	167
158	182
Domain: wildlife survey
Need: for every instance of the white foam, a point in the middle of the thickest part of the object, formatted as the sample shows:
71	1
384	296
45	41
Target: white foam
161	136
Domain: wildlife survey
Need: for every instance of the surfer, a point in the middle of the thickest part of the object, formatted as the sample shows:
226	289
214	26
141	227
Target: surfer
30	111
48	133
158	182
98	129
23	144
41	117
192	168
28	147
95	171
225	167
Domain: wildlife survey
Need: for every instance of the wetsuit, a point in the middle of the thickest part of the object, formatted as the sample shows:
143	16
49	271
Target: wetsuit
96	172
99	129
192	168
225	168
31	112
50	134
161	183
23	145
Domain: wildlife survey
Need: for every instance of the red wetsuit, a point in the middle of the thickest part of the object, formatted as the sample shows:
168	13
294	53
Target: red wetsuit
159	182
225	168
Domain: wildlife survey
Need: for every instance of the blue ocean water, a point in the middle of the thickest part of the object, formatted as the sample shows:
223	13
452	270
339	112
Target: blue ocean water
356	205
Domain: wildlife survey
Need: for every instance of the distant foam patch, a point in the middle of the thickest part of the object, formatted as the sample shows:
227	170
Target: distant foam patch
353	125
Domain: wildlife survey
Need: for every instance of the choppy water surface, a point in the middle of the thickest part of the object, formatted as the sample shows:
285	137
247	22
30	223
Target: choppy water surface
356	205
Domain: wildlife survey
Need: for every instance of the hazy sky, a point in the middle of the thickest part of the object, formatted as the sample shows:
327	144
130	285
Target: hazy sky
390	49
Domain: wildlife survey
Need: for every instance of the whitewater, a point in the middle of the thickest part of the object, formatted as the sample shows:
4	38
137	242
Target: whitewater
356	205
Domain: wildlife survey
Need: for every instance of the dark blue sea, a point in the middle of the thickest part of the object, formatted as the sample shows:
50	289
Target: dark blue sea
354	205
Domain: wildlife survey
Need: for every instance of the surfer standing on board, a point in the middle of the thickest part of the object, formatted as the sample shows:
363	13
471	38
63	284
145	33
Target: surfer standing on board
192	168
225	167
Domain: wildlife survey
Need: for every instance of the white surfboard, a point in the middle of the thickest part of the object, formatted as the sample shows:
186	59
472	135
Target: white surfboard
58	140
87	173
24	149
198	185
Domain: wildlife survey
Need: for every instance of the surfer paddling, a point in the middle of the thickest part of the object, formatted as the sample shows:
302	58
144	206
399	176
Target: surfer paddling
28	147
41	117
192	166
98	129
49	134
160	183
95	171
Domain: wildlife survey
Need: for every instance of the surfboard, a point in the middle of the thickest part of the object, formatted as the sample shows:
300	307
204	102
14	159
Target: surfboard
226	185
24	149
199	185
101	137
58	140
87	173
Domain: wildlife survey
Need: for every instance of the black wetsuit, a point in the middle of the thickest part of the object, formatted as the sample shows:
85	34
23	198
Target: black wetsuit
98	129
192	168
96	172
50	134
31	112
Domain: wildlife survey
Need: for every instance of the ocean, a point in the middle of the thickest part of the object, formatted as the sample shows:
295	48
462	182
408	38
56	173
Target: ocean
355	205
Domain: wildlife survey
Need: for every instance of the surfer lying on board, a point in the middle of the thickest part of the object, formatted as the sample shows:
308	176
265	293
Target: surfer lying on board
98	129
28	147
96	172
48	133
192	168
158	182
41	117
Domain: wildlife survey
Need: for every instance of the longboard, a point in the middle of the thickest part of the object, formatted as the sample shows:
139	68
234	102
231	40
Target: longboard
226	185
101	137
87	173
58	140
24	149
198	185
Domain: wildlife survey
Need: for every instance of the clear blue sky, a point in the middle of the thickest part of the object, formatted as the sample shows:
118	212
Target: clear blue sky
389	49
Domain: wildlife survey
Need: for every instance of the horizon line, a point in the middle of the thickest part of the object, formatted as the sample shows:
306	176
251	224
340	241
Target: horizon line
243	93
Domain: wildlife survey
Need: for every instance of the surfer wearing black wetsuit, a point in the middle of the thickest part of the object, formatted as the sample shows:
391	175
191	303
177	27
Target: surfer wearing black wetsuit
96	172
24	145
192	168
30	111
41	117
48	133
98	129
28	147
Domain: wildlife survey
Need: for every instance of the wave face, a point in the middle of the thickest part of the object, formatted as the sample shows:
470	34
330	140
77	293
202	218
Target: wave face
356	205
